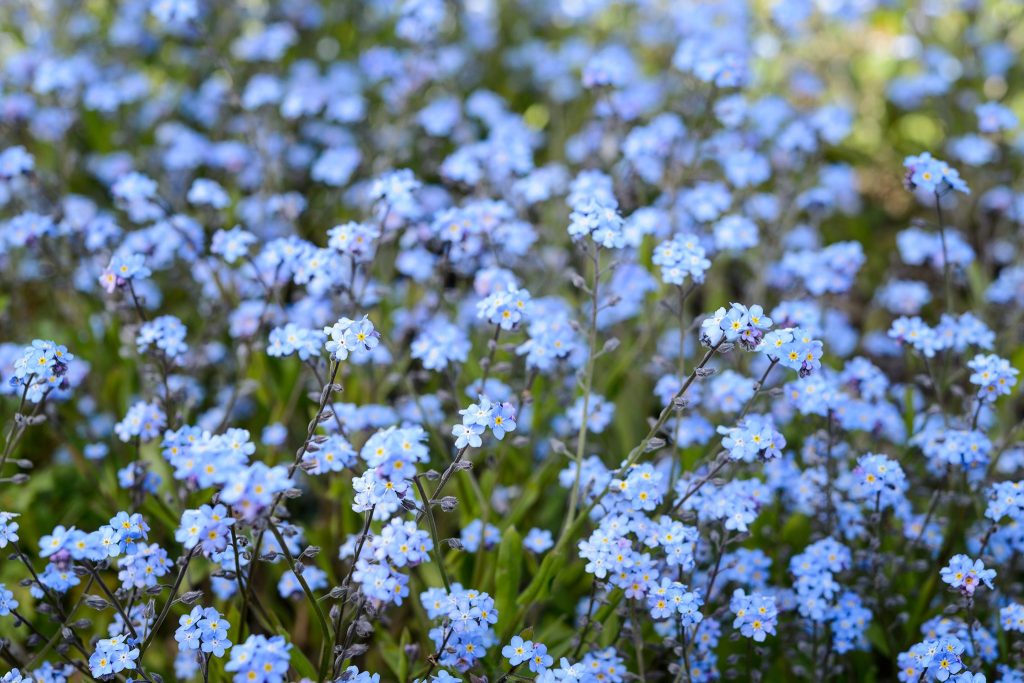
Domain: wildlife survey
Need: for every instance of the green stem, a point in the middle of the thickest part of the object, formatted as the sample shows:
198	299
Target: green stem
325	630
946	272
757	389
325	396
167	605
429	514
588	381
368	518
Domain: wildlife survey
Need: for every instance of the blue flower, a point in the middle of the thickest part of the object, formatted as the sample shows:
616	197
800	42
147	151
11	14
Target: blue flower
467	436
517	651
7	601
538	540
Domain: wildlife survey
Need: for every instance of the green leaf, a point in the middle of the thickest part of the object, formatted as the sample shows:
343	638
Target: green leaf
404	640
393	654
610	632
539	587
531	491
509	571
796	529
302	663
877	638
155	509
607	616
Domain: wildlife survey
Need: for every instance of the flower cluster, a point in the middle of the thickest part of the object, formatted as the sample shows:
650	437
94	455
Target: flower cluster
967	575
123	269
1012	617
820	598
671	599
143	421
203	629
535	655
113	655
140	565
166	333
756	615
284	341
466	630
932	175
739	324
993	375
391	456
595	214
939	657
755	438
143	567
681	257
207	527
951	333
795	349
41	368
500	418
333	454
736	504
1006	499
8	528
356	337
880	481
260	659
505	308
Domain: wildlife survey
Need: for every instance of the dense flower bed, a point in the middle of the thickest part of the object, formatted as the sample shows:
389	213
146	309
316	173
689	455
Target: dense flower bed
553	340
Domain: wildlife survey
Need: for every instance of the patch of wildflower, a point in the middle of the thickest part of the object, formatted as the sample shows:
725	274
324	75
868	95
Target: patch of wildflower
192	189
